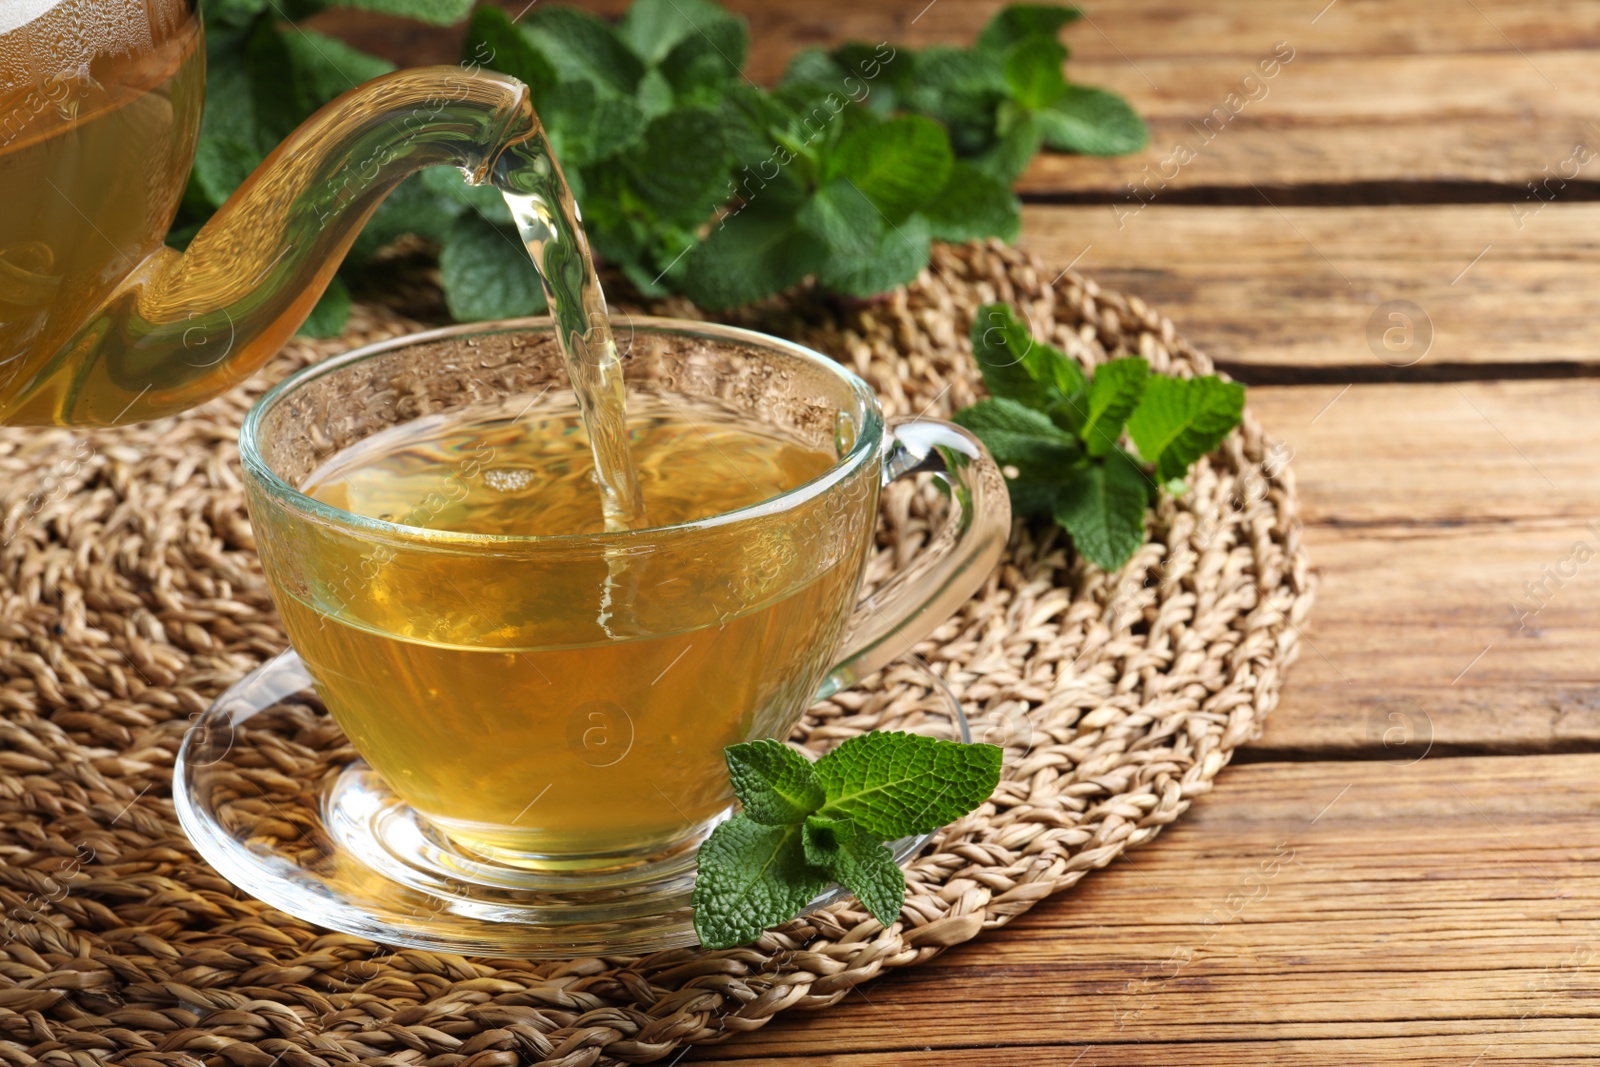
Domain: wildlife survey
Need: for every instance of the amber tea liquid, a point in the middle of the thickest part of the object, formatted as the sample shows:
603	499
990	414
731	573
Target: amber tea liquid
571	712
97	104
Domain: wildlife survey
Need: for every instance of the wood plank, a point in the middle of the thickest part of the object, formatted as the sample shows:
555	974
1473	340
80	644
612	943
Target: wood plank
1452	525
1491	454
1302	913
1433	639
1112	29
1397	161
1539	1043
1323	120
1298	286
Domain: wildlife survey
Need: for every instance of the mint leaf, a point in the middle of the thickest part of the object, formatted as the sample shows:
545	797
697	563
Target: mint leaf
973	205
1017	436
1113	394
220	165
231	14
1019	22
653	260
959	88
894	784
1016	366
812	65
1103	509
494	41
870	61
818	123
487	273
586	126
584	48
327	319
1009	156
1033	72
652	28
654	95
775	783
754	122
902	251
1046	458
842	218
867	253
751	877
709	60
1092	121
860	862
899	163
676	186
769	861
439	12
947	78
326	66
751	254
1181	419
278	103
1043	412
229	114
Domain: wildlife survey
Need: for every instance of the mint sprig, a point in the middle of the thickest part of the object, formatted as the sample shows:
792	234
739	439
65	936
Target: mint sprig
690	179
806	825
1058	434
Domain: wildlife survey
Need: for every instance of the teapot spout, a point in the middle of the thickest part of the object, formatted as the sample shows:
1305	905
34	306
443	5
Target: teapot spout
182	328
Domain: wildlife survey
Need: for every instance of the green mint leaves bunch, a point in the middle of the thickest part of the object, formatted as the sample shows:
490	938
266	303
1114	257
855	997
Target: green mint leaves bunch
1058	433
1001	100
856	202
691	179
694	180
634	112
805	826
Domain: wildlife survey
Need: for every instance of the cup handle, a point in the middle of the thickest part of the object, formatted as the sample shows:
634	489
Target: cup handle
954	564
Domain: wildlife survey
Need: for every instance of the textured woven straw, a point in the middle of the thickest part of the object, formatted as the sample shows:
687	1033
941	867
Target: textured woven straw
132	597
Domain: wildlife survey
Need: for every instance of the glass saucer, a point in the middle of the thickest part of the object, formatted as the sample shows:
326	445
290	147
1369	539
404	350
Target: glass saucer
274	797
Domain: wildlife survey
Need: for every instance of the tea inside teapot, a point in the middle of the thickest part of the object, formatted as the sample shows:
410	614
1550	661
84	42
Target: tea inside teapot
99	106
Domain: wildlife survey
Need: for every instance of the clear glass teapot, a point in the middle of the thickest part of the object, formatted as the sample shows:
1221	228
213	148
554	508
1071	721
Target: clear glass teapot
100	323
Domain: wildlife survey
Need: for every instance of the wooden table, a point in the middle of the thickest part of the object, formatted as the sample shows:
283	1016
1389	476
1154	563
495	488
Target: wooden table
1426	794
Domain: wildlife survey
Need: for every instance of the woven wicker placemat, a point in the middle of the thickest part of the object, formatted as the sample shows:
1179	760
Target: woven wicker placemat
132	596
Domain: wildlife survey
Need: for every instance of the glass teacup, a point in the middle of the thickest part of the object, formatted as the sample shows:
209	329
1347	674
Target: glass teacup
562	702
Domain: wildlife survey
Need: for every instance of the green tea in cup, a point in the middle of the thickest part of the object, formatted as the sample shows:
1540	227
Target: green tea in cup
544	689
576	726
